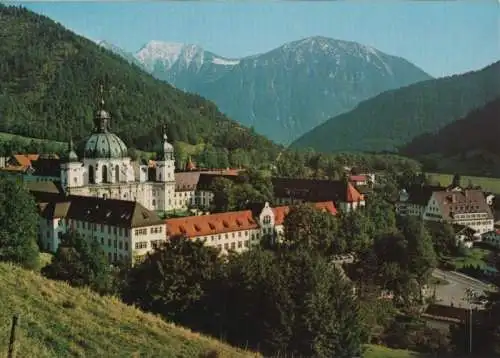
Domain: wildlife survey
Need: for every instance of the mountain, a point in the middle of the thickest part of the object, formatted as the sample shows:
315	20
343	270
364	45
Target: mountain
469	145
119	51
393	118
57	320
287	91
49	80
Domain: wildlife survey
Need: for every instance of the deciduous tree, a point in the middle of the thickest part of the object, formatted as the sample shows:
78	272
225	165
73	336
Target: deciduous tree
18	225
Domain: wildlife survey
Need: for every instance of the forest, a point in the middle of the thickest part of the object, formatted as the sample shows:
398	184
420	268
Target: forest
49	89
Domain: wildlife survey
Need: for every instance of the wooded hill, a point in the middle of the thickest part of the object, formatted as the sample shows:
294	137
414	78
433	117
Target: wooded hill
394	118
471	144
49	80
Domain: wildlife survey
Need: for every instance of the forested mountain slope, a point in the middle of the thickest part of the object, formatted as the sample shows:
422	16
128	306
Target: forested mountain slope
49	79
471	143
394	118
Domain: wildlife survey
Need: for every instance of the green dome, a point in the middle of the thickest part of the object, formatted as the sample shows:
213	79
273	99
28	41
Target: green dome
102	143
105	145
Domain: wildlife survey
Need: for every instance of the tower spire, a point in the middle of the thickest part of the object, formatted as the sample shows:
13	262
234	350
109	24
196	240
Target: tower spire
102	117
101	94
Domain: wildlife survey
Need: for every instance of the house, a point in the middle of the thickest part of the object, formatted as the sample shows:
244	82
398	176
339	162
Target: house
465	235
126	230
293	191
236	230
413	200
464	207
271	219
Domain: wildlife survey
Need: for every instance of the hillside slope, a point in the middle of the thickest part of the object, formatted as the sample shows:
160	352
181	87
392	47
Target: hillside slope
394	118
287	91
470	144
49	80
60	321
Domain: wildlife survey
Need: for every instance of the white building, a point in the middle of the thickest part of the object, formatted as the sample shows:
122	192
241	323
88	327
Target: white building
126	230
106	170
237	230
463	207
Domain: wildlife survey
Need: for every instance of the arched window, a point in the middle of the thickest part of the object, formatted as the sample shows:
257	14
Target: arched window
117	173
104	174
91	175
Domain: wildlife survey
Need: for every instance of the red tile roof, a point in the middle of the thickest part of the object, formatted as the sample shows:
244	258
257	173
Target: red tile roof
25	159
203	225
281	212
353	195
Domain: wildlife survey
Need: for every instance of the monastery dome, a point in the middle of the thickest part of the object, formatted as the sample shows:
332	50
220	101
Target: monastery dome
105	145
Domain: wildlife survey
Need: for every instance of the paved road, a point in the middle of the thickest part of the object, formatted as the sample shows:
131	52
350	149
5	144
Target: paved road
454	292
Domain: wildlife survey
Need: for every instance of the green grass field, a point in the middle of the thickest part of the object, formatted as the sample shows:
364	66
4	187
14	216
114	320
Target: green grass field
374	351
59	321
8	137
475	257
487	184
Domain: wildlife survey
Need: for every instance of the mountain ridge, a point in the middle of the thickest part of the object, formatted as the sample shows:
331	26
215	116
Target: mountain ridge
478	152
290	89
393	118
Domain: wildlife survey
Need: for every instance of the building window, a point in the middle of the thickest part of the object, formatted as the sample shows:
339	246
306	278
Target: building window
126	246
117	173
267	219
109	242
91	175
102	241
233	245
105	176
240	244
141	245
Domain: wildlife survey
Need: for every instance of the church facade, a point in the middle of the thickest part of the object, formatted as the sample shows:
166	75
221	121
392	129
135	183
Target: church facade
106	170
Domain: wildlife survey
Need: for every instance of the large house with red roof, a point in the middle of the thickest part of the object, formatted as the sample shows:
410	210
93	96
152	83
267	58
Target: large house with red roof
237	230
342	193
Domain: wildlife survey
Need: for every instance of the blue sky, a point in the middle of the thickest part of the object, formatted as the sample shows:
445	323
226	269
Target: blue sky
442	37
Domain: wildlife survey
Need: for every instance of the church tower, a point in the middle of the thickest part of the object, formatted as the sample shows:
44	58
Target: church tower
71	169
165	173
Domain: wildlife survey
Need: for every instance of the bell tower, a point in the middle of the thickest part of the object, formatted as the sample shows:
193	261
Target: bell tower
165	173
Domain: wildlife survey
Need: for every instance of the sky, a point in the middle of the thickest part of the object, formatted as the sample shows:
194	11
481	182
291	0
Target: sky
441	37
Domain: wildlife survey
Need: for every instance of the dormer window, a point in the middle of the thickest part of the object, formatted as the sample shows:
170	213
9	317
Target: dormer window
267	219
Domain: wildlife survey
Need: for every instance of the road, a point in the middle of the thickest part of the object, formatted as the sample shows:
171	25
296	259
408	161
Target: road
454	292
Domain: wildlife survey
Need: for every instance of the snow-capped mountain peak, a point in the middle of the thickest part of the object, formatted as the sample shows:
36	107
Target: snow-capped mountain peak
179	54
169	53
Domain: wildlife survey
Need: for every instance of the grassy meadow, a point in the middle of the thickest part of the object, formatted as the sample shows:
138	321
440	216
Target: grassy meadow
59	321
374	351
487	184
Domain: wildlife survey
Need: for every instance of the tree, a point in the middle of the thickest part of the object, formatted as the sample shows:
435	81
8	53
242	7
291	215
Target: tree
80	263
173	280
305	225
325	308
381	214
443	238
356	230
19	225
421	255
222	190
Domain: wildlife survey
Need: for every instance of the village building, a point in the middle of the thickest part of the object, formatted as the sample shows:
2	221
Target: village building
464	207
341	192
237	230
126	230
